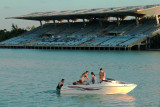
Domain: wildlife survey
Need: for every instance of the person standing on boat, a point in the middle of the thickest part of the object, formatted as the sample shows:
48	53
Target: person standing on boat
94	79
101	75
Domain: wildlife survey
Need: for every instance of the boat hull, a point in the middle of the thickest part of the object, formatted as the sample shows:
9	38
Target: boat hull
101	88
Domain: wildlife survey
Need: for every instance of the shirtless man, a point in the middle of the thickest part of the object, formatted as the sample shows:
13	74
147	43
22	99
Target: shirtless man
101	75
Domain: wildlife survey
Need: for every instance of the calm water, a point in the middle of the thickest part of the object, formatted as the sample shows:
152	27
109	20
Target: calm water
28	77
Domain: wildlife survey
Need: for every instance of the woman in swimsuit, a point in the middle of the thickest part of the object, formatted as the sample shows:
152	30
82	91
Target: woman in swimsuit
82	80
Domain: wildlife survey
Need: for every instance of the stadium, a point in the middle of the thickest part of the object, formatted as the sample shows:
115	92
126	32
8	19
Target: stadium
120	28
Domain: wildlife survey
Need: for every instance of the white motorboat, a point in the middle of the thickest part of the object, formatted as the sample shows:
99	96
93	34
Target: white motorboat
105	87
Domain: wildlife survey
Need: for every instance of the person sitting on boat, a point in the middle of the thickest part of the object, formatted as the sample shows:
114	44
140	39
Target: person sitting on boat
94	79
83	77
101	75
60	84
82	80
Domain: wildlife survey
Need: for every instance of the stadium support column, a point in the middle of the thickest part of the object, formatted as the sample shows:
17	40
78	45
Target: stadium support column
118	23
137	20
84	23
41	24
149	42
157	19
146	43
54	23
69	23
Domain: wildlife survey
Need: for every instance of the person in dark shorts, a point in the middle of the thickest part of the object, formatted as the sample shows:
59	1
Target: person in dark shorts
60	84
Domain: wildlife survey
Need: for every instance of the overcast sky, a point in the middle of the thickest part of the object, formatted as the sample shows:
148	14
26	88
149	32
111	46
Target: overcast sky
10	8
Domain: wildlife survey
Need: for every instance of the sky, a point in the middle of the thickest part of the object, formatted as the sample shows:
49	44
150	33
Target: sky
11	8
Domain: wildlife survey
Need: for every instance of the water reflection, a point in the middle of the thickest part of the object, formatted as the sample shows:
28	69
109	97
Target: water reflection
102	100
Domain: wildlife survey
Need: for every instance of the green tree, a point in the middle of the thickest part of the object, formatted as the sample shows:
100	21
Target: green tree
15	31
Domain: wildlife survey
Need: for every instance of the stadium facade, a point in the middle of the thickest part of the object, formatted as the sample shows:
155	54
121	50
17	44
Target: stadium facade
133	27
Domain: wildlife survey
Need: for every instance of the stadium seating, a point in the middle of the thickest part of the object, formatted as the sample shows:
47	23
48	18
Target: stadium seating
108	35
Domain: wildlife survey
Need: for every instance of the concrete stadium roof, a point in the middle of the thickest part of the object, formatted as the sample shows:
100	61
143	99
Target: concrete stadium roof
93	13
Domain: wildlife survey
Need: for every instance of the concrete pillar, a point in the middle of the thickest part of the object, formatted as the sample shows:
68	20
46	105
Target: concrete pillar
137	20
125	48
146	43
69	23
118	22
149	43
54	23
139	46
41	24
157	19
84	23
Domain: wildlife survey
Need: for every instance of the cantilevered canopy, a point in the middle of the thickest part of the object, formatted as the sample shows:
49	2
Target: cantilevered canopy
93	13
